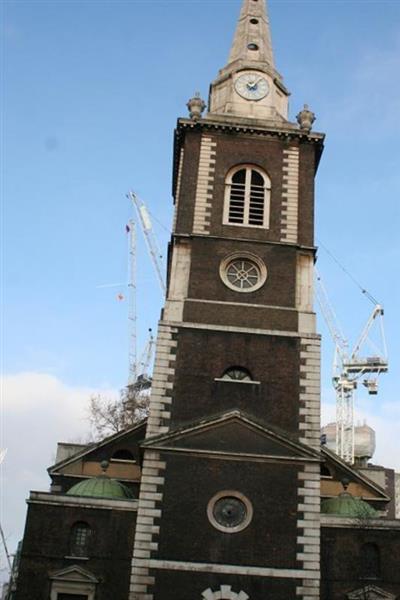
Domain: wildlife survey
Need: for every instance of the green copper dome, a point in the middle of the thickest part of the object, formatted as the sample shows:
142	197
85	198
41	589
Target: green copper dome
101	487
346	505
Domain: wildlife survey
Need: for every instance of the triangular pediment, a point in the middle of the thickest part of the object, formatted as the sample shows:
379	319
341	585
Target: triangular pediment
98	451
370	592
359	484
232	433
74	574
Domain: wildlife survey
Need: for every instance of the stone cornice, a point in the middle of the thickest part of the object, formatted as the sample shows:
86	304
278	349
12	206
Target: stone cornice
82	502
284	130
256	127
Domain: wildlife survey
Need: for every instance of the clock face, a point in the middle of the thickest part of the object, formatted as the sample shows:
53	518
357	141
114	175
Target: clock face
252	86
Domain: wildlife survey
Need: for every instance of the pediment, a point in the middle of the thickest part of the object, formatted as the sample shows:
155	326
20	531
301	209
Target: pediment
232	433
370	592
74	574
130	437
359	484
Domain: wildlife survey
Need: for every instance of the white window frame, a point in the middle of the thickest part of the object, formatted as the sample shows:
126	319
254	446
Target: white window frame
267	196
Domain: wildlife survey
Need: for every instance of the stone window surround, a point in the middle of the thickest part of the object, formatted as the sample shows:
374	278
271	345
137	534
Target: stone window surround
234	494
73	580
248	256
267	197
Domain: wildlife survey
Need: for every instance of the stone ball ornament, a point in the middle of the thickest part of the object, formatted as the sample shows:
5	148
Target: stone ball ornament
306	118
196	106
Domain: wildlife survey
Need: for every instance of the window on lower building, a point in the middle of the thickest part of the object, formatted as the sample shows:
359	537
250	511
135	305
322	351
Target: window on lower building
123	456
247	197
371	561
80	539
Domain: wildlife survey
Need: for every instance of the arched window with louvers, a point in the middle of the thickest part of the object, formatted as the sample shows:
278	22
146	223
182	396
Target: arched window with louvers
247	197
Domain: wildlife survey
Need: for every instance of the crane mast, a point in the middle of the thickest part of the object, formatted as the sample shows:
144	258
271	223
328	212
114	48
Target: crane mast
139	368
151	241
131	229
349	368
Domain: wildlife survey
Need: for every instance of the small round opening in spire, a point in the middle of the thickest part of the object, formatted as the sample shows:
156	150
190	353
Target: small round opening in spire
252	46
254	21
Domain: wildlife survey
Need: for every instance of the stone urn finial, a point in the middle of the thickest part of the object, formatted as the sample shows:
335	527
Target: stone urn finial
196	106
305	118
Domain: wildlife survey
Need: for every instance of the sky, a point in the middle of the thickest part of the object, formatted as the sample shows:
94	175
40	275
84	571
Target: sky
91	91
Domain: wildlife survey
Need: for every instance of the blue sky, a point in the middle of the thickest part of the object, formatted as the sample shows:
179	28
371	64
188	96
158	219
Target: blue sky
91	93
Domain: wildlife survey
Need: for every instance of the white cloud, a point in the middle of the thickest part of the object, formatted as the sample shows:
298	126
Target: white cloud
38	410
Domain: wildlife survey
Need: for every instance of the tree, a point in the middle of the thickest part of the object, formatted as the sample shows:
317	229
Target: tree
108	416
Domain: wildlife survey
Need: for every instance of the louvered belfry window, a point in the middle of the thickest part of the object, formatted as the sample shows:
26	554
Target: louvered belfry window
247	197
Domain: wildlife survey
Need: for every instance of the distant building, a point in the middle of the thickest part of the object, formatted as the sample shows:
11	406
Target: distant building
397	494
364	440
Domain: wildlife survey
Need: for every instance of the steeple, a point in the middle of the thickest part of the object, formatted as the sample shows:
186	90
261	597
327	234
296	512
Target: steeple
249	86
252	41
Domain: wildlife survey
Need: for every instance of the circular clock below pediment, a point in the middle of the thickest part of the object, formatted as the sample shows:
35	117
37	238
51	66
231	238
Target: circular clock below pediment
252	86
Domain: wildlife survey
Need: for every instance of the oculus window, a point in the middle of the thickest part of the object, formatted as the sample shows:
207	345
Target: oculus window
229	511
243	272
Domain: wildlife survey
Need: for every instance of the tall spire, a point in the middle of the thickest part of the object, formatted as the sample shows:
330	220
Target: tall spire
249	85
252	41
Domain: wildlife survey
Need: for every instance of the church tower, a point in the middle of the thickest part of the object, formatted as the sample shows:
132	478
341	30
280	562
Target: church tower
229	500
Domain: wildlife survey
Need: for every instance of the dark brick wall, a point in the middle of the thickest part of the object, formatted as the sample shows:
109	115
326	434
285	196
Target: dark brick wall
203	355
205	281
234	148
343	561
46	544
186	533
184	223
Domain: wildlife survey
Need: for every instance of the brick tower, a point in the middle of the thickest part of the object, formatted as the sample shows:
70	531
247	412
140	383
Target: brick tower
229	499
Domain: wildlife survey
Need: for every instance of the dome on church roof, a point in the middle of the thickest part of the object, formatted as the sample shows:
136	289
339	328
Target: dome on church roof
346	505
101	487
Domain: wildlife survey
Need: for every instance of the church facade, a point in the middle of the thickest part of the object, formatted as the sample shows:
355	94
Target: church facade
221	490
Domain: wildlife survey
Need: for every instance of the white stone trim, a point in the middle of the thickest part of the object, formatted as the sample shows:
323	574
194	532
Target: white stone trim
205	186
232	328
146	530
310	425
178	187
197	567
290	195
164	367
179	281
308	524
224	593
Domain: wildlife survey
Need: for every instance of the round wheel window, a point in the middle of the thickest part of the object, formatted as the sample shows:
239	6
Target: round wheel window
229	511
243	272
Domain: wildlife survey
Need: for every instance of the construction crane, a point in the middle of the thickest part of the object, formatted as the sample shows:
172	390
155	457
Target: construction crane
3	453
150	238
351	367
139	369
